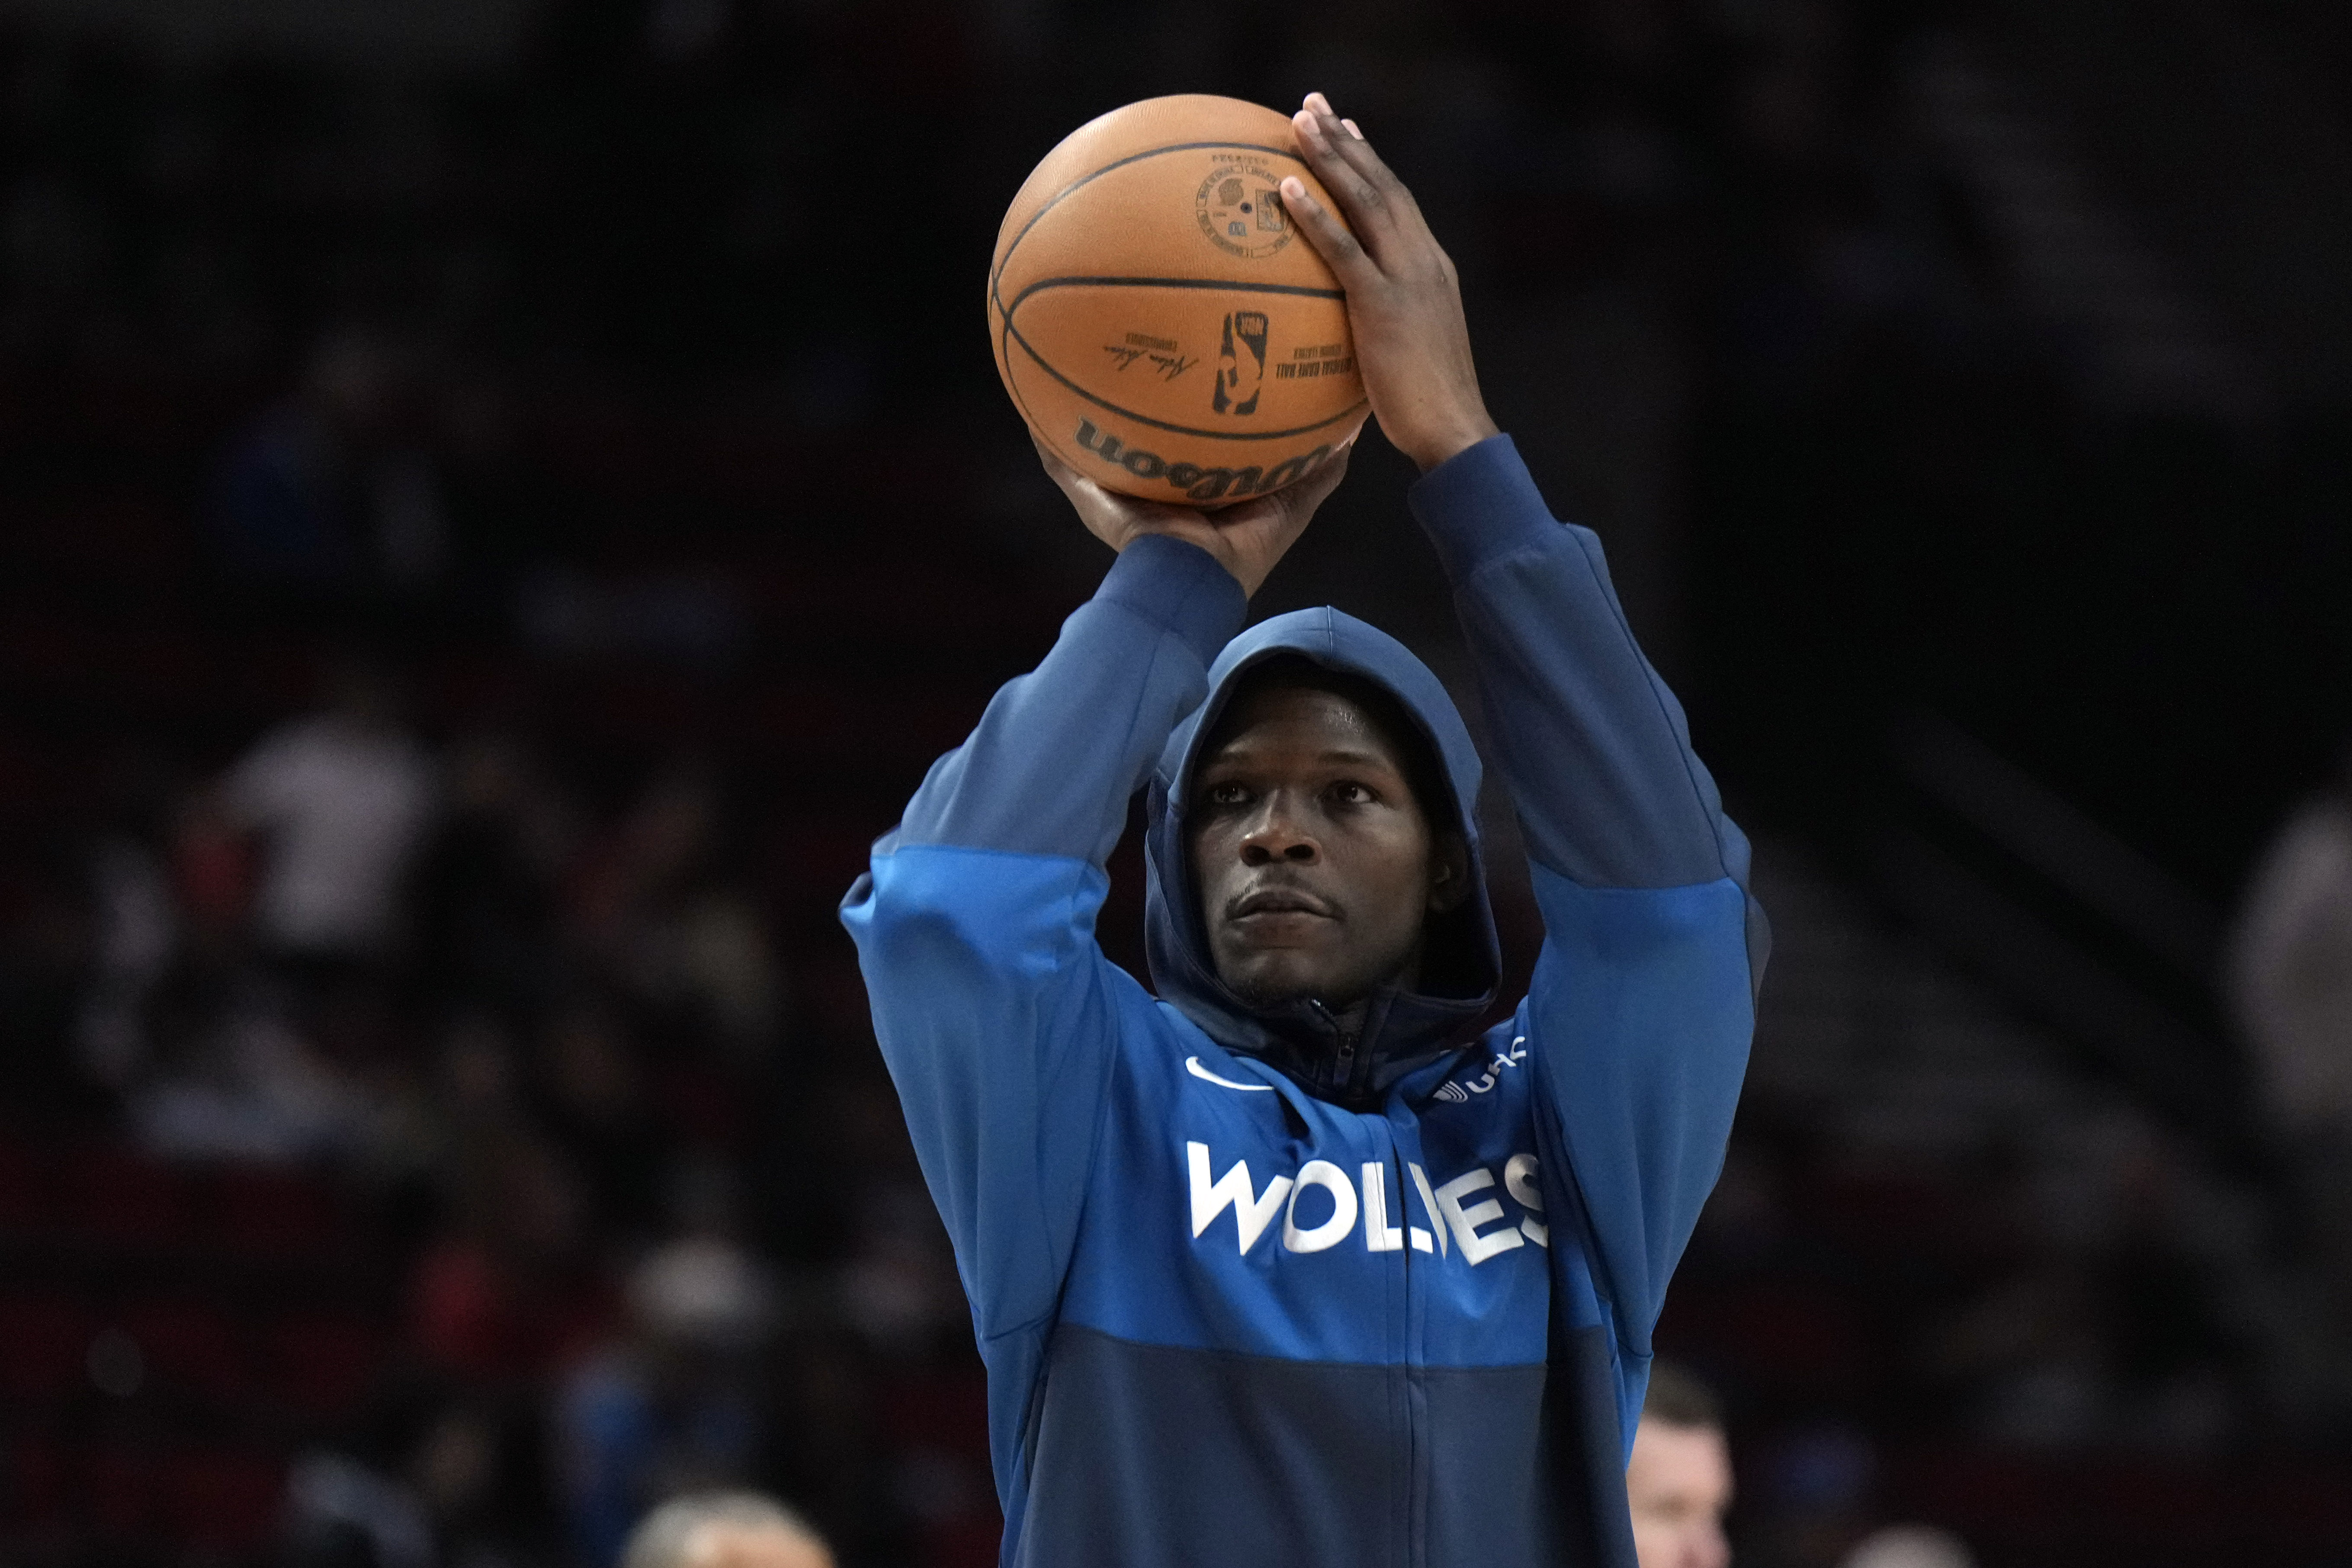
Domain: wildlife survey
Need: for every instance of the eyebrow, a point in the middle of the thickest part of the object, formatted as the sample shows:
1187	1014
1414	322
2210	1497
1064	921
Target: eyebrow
1344	758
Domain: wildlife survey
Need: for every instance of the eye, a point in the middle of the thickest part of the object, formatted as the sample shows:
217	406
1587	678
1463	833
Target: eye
1348	792
1225	794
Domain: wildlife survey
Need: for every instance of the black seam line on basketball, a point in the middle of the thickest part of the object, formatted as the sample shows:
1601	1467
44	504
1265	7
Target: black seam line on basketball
996	274
1012	385
1162	424
1299	289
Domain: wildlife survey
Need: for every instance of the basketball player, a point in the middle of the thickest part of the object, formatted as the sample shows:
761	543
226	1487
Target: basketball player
1289	1264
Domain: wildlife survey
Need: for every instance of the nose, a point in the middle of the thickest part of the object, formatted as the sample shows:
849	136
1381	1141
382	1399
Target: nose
1276	834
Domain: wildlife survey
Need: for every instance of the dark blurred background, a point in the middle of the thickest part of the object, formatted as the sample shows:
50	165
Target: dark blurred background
501	502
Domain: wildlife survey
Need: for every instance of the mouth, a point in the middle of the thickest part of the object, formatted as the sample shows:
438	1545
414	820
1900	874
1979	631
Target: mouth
1273	901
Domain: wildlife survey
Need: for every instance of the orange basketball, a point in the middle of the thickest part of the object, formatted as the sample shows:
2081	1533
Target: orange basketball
1159	320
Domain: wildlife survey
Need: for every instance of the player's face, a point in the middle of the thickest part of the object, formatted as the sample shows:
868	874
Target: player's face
1678	1485
1315	862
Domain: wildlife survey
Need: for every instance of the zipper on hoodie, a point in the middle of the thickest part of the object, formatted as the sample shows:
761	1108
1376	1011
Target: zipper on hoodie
1415	1545
1344	1041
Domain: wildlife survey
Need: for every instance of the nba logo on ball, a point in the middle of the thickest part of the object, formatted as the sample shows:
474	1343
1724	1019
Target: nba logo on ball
1241	363
1157	319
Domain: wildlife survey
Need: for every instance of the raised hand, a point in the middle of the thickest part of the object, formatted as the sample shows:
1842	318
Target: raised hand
1404	302
1246	538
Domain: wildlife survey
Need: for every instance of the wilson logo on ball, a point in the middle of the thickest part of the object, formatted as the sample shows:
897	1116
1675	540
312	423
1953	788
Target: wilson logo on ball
1197	482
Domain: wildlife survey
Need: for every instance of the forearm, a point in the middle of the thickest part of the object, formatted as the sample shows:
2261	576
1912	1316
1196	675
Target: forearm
1590	742
995	1011
1049	769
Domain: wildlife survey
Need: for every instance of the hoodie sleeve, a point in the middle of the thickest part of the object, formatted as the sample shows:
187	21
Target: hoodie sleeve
975	924
1643	1000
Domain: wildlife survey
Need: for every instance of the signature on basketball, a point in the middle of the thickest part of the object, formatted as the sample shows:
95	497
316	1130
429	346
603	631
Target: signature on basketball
1167	366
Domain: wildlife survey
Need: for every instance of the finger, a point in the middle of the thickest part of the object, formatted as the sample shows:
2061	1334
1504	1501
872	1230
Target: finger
1298	499
1318	104
1060	472
1328	234
1099	504
1347	145
1358	201
1095	502
1317	486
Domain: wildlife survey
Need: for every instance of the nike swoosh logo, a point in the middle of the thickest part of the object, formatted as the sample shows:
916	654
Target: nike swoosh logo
1192	1065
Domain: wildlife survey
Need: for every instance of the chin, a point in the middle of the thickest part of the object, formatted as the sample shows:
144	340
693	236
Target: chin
1271	986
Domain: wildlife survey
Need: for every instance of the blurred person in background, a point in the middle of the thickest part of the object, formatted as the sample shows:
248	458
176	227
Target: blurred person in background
340	801
2291	990
663	907
324	496
1678	1482
591	1090
239	1081
430	1480
340	1512
137	929
309	838
511	1292
672	1404
1909	1546
725	1529
486	883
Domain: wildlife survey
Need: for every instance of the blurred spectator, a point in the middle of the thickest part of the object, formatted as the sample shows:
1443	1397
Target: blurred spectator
339	1514
136	937
211	871
725	1529
486	881
664	906
427	1485
2031	1353
479	1499
1678	1482
595	1105
323	495
897	1286
674	1404
342	800
2110	1326
509	1294
2291	965
1814	1485
2291	983
1909	1546
249	1084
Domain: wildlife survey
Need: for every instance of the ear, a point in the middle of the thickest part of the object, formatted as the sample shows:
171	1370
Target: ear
1449	873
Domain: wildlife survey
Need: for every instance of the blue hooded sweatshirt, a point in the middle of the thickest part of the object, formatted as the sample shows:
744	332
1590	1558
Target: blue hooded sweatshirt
1253	1293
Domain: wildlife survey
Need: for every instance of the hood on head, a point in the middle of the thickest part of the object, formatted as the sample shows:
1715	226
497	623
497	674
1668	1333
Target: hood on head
1402	1030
